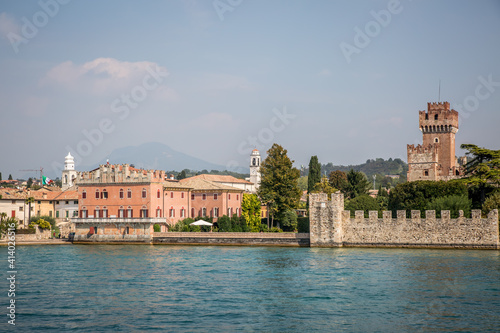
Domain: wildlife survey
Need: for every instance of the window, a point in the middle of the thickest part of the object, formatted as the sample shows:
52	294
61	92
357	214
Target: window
171	195
183	212
203	212
104	194
229	196
144	193
67	202
158	194
426	173
50	213
171	212
97	194
237	197
436	140
121	193
237	212
75	213
215	196
67	213
130	212
436	117
84	195
127	230
75	202
121	212
96	212
57	213
182	195
229	212
203	196
144	212
216	212
192	196
129	194
192	212
158	212
21	208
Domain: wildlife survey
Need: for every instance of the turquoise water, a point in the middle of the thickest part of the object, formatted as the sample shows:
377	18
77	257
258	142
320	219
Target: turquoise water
267	289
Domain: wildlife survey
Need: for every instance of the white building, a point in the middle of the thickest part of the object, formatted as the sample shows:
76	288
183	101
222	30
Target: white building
69	173
255	170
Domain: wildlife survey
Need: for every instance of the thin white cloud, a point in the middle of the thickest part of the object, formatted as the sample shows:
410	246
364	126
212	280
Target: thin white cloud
100	76
8	25
325	72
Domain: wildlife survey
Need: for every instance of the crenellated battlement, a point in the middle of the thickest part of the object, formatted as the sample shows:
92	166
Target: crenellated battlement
439	115
119	173
420	149
332	226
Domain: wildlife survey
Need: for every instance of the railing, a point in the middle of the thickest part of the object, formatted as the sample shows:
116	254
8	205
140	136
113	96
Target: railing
119	220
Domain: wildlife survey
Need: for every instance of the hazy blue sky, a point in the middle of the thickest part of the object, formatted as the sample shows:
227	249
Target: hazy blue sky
343	80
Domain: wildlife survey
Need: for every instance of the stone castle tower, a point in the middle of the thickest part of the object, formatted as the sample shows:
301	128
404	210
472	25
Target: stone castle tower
69	173
435	159
255	168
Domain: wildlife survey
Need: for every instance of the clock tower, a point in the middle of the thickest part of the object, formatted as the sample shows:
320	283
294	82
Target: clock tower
255	168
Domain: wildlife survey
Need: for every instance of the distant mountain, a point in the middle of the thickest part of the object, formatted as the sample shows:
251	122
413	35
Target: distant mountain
158	156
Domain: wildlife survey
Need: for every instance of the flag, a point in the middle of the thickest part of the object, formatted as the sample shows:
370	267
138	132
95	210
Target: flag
46	180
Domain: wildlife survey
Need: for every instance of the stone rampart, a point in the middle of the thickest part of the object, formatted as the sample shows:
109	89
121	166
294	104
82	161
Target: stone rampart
331	226
231	238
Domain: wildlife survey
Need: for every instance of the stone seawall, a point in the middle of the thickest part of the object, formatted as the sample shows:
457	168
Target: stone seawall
231	238
331	226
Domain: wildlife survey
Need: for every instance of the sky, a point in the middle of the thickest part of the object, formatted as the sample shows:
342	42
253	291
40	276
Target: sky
343	80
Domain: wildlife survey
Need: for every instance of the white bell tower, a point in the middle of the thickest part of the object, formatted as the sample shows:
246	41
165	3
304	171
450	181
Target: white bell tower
255	168
69	173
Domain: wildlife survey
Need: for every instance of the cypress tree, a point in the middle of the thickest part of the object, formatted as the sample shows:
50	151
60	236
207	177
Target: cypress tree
314	173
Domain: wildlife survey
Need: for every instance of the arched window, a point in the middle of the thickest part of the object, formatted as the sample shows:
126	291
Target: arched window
144	211
104	212
158	211
97	193
254	161
104	194
129	194
65	179
203	212
436	117
121	193
203	197
171	212
183	212
436	140
426	173
84	194
130	212
121	212
97	212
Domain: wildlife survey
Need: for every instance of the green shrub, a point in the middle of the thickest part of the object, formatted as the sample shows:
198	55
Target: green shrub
264	228
303	224
453	203
289	220
274	229
491	202
156	228
362	202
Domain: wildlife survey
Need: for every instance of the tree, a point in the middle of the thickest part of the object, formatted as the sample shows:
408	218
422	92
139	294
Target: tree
302	182
289	220
416	195
6	223
0	176
29	182
325	187
29	201
482	169
357	184
10	177
453	203
492	202
362	202
338	179
250	211
182	174
314	176
279	188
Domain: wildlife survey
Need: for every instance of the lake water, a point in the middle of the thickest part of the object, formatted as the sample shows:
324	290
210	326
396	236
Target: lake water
109	288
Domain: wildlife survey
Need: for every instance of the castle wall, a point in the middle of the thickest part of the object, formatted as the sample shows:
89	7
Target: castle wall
331	226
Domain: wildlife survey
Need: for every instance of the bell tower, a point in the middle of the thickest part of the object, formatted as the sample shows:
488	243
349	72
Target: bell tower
69	173
255	168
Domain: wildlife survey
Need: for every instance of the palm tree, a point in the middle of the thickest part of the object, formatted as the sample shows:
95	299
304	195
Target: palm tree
28	202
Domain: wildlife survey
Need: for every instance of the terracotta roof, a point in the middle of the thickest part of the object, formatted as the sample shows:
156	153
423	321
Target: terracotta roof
222	179
67	195
197	183
12	194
